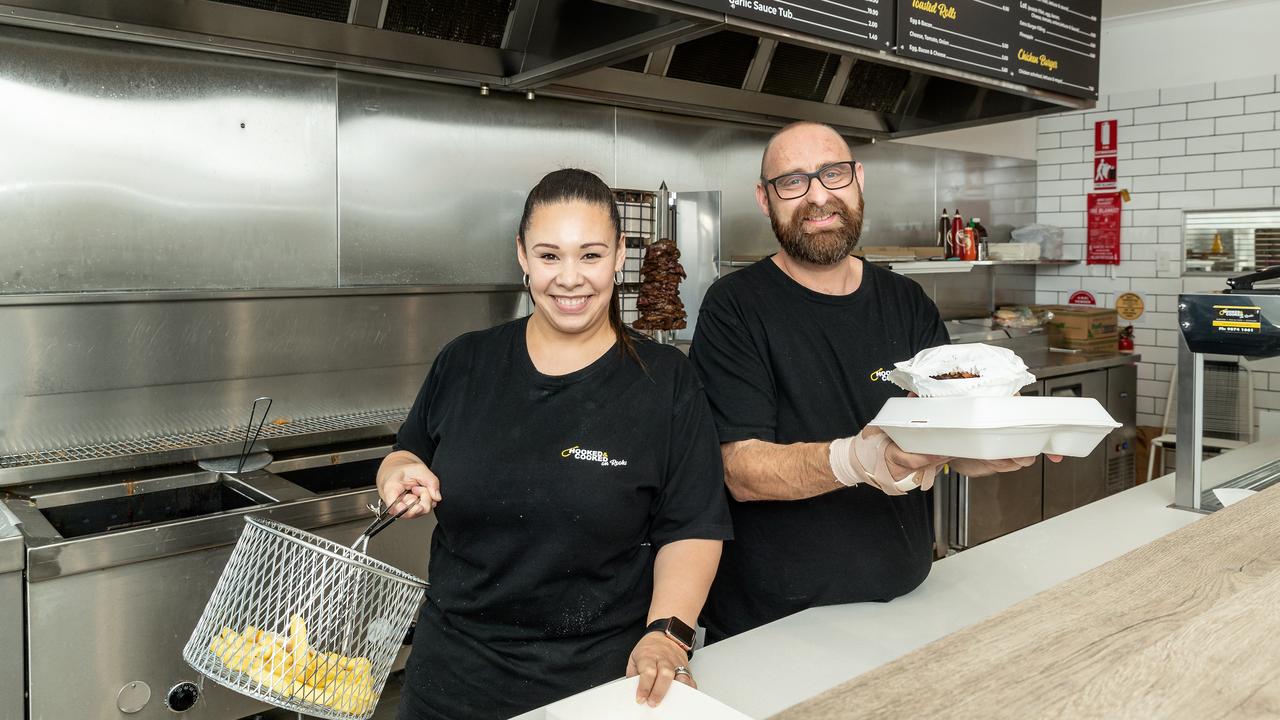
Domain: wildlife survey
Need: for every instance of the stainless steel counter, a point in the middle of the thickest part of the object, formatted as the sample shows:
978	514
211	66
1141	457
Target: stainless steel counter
1046	364
10	543
1033	347
11	643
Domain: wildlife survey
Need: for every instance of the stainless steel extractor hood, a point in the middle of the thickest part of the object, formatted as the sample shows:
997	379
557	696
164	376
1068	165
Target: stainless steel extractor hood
652	54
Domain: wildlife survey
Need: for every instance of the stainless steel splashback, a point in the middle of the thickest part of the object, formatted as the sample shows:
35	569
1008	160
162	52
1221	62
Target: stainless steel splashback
130	166
433	179
907	185
86	374
692	154
125	168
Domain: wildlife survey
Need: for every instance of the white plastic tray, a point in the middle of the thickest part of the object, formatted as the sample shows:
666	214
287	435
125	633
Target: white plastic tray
617	701
995	428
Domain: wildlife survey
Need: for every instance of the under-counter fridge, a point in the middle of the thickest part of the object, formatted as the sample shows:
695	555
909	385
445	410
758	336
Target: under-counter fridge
971	511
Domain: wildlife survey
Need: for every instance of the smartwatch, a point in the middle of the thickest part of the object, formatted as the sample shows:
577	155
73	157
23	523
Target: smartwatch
677	630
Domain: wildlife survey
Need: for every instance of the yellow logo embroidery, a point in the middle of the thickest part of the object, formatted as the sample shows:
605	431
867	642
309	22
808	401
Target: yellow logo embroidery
879	375
597	456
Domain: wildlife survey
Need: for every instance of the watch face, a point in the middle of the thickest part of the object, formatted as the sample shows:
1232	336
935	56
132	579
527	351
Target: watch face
681	632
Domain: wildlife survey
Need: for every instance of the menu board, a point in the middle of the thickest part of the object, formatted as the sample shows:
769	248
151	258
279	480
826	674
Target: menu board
972	35
1050	44
865	23
1057	45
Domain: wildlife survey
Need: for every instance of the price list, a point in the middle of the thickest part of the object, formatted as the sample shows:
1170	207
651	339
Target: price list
1056	46
865	23
972	35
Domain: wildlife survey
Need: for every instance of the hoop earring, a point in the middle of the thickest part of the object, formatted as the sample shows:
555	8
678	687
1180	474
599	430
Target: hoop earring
617	278
526	280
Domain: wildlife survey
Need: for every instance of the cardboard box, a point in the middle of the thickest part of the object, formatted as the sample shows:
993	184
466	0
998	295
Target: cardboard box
1098	345
1081	323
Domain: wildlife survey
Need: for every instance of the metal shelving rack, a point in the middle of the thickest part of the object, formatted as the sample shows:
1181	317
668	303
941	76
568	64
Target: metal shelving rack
639	212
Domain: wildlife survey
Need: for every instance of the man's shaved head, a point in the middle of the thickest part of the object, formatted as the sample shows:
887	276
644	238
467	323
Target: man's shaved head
805	127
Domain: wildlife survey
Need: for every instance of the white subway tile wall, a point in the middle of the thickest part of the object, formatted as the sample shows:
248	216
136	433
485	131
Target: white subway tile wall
1212	145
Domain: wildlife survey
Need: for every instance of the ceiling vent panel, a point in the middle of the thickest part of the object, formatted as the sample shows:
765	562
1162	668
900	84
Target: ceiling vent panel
476	22
874	87
800	73
333	10
721	58
635	64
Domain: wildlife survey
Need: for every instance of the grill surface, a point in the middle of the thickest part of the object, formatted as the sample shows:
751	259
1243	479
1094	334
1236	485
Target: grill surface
201	438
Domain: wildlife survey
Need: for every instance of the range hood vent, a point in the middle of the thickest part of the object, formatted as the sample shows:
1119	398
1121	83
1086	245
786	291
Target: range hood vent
800	73
721	58
331	10
875	87
475	22
635	64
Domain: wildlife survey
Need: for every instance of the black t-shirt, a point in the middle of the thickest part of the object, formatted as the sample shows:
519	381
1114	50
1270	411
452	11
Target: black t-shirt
785	364
558	492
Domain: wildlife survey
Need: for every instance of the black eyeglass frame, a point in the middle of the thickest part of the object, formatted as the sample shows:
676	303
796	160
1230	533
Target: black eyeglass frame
815	175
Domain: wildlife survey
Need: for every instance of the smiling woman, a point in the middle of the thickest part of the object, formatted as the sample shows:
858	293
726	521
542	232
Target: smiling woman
570	247
575	476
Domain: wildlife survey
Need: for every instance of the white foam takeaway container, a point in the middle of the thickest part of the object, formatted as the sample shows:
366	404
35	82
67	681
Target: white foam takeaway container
988	428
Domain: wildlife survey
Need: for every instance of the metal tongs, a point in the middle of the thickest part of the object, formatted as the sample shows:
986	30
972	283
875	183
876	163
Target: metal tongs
383	519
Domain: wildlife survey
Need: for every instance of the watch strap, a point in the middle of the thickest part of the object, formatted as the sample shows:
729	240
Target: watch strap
675	629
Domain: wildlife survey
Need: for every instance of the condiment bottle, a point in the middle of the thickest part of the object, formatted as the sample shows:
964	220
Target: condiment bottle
944	225
957	235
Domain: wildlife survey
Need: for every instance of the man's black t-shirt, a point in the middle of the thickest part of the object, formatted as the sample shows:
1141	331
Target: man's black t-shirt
558	492
785	364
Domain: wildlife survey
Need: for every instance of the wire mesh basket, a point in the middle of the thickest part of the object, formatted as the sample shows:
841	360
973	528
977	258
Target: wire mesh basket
304	623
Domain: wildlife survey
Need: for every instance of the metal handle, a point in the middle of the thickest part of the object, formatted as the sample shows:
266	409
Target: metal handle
247	445
383	519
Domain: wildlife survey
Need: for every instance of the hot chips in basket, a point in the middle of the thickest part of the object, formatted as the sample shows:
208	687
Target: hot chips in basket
287	665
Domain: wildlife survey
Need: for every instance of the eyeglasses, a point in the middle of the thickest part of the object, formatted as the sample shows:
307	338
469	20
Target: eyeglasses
833	177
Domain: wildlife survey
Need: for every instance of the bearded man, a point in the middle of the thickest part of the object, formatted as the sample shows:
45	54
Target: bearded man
793	352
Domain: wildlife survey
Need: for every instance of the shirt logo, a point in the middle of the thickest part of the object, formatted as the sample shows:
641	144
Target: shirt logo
879	375
595	456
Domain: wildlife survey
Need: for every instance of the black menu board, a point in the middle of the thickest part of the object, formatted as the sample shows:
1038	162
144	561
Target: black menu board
865	23
972	35
1056	46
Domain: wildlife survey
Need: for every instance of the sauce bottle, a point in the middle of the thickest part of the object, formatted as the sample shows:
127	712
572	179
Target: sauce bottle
944	227
982	237
957	235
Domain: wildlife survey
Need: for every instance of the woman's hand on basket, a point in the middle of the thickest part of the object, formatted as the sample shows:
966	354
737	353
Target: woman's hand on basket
402	471
656	659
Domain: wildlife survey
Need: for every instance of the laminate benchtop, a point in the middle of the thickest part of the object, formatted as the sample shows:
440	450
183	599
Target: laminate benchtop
1183	627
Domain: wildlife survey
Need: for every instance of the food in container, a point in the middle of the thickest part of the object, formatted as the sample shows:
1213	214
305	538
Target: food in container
1021	317
969	370
968	408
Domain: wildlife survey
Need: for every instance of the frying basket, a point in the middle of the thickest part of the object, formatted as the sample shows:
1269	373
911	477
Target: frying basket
304	623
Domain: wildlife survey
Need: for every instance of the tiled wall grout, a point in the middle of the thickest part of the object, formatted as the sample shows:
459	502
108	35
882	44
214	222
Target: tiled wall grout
1212	145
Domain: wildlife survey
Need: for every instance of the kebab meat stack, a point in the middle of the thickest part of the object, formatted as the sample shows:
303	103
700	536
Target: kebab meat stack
660	275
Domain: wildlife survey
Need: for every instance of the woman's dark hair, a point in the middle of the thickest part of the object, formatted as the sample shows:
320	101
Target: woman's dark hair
573	184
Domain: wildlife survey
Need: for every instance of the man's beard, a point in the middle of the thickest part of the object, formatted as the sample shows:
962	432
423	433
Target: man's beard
819	248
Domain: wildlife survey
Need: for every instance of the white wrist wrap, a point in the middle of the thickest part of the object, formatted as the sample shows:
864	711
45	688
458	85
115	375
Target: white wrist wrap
841	466
856	460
